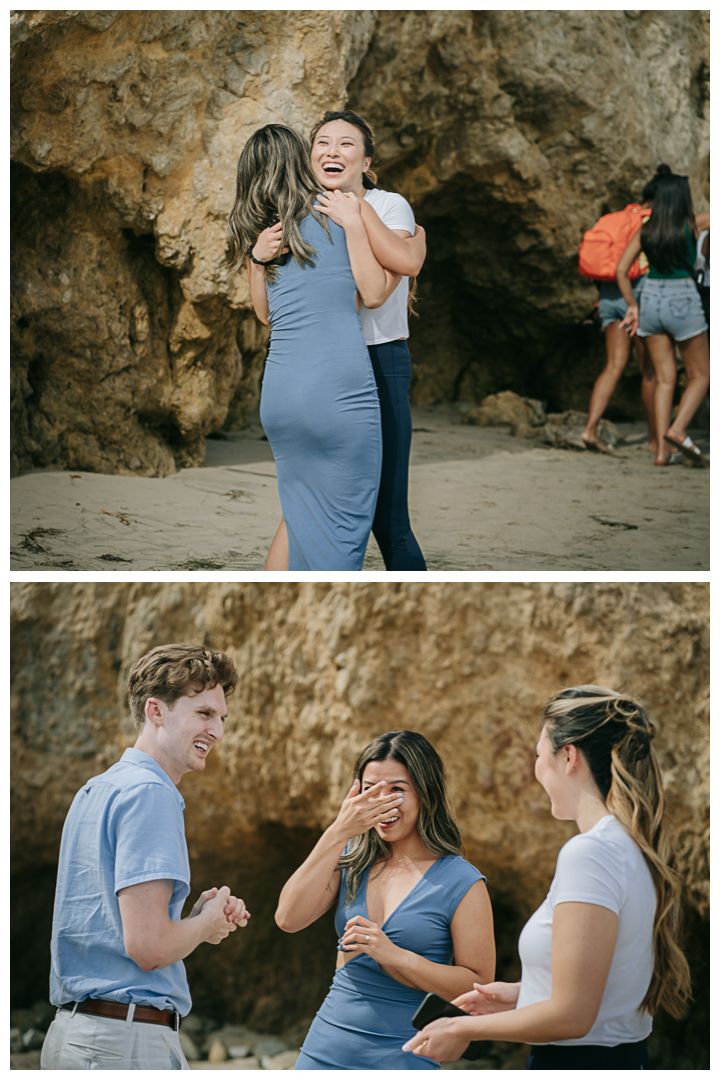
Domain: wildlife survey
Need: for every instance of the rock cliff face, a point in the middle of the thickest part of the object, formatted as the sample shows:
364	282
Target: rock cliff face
324	669
509	131
131	339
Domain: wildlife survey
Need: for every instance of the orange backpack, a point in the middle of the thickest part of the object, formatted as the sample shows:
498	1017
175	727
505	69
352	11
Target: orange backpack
602	246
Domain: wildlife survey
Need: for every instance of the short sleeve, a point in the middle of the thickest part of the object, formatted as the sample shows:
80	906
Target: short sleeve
457	879
590	872
397	213
147	833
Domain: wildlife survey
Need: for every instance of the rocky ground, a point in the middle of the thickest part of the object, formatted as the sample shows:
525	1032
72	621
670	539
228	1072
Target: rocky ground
480	499
210	1045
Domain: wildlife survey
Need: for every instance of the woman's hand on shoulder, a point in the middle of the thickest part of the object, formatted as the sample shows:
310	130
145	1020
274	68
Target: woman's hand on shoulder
489	998
268	242
361	812
341	207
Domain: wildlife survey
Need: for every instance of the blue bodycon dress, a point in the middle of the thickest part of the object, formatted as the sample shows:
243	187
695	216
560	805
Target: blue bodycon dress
319	408
365	1019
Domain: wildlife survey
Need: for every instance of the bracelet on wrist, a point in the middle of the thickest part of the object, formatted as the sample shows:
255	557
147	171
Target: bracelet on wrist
257	261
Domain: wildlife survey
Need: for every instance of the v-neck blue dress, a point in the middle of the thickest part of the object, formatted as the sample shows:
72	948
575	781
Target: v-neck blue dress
365	1019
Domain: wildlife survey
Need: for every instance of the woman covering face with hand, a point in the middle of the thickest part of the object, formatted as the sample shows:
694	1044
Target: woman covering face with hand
408	902
600	955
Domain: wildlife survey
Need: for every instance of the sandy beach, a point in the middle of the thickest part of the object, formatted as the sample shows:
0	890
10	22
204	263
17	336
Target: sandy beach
480	499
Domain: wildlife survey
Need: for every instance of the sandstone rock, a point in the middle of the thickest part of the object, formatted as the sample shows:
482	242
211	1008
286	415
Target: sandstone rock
130	335
189	1048
217	1051
269	1047
507	408
565	430
239	1051
324	668
508	130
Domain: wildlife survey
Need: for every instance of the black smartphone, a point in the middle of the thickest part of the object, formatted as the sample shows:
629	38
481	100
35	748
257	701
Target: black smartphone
433	1007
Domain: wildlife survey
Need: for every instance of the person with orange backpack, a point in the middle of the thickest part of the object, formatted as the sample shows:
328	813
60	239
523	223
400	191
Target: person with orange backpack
672	312
600	251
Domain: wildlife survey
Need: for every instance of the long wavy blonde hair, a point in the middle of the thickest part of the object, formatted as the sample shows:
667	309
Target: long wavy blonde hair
275	182
615	736
436	826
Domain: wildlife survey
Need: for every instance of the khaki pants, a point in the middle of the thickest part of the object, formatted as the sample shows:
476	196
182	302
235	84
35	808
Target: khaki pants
83	1041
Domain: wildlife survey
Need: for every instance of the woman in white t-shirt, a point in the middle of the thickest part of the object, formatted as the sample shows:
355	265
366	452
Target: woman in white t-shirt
342	150
343	146
600	955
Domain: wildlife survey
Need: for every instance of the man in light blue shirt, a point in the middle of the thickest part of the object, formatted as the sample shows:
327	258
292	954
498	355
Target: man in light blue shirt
118	941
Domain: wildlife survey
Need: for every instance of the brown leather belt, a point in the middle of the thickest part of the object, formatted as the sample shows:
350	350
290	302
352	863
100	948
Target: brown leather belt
145	1014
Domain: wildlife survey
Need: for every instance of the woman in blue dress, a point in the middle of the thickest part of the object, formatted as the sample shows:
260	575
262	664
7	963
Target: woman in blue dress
413	916
319	404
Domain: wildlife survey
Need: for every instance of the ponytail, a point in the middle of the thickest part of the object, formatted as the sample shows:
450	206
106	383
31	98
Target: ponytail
615	736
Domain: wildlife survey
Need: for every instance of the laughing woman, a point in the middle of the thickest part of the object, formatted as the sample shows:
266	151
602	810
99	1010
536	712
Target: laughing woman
408	902
601	954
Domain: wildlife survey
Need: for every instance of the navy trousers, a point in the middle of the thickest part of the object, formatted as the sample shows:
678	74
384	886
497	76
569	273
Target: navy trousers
623	1056
391	527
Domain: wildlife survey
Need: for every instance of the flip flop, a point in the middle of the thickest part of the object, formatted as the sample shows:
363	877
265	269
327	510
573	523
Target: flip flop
688	448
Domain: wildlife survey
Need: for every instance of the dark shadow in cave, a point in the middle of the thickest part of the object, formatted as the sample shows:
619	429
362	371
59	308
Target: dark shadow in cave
490	316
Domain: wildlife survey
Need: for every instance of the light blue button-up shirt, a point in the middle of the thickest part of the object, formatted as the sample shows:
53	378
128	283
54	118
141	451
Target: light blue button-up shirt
124	827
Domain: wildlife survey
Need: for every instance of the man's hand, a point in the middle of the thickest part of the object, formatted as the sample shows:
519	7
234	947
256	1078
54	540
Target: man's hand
235	910
202	900
217	922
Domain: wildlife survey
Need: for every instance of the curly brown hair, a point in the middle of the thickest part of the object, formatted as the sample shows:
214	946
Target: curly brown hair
168	671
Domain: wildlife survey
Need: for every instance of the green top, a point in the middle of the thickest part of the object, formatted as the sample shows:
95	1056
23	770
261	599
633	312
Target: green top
677	271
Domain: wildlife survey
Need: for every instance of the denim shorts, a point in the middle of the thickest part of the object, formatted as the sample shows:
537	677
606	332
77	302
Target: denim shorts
611	305
671	306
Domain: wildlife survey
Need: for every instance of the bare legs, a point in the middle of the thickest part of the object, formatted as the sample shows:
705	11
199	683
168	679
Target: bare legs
647	391
277	556
617	344
696	354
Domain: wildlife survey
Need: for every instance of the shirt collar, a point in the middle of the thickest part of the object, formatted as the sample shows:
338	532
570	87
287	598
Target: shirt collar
139	757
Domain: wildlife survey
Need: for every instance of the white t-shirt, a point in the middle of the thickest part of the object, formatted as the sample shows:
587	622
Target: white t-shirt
602	866
389	322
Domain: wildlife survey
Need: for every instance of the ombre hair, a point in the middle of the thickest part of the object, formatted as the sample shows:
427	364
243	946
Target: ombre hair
275	182
615	736
435	824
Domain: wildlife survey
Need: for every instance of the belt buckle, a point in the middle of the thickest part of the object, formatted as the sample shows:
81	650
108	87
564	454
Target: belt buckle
176	1021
